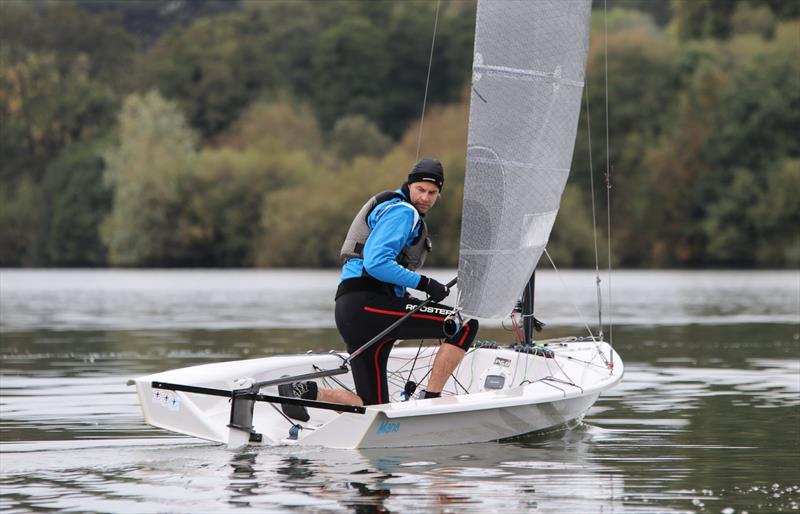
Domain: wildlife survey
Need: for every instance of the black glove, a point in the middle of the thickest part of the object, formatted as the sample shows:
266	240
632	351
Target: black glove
436	290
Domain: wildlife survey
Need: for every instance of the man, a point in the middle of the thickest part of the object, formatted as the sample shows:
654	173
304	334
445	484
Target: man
386	244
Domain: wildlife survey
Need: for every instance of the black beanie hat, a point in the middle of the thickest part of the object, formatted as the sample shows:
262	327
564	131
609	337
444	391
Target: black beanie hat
429	170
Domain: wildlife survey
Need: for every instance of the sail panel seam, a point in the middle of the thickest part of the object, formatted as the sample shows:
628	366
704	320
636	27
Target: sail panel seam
512	251
515	164
523	74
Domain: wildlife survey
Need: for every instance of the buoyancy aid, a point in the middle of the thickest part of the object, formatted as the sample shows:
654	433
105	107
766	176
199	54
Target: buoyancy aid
412	257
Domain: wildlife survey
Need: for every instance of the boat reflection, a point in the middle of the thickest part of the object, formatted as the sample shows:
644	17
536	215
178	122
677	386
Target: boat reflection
550	473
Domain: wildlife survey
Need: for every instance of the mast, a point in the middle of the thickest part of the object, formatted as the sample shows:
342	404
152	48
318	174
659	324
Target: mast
527	309
529	321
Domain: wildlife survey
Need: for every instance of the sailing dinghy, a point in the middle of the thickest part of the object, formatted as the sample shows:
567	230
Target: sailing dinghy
528	73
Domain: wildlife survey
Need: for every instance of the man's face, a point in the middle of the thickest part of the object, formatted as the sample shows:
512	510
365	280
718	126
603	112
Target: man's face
423	195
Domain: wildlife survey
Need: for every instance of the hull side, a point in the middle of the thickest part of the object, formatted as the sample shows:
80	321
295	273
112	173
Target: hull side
535	398
483	425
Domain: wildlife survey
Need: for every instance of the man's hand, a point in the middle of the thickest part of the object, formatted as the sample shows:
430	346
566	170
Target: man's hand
436	290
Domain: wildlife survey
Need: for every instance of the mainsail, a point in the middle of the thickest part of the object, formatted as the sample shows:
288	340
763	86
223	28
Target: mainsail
527	81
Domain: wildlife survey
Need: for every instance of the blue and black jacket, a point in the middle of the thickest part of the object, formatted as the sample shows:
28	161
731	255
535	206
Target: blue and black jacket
395	224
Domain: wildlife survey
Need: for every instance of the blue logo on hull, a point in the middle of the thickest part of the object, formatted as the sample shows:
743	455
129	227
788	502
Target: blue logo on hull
388	428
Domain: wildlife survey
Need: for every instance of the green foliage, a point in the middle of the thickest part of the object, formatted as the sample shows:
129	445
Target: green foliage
619	19
58	73
277	125
730	228
62	29
22	222
708	171
79	200
44	111
60	76
761	116
356	135
350	69
155	151
642	85
677	162
699	19
219	221
752	19
304	226
703	18
641	81
202	69
283	35
782	9
408	46
283	117
572	241
347	58
146	21
658	12
777	216
173	206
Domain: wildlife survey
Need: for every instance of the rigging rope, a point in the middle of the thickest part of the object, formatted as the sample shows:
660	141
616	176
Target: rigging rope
577	309
608	184
427	79
571	300
594	217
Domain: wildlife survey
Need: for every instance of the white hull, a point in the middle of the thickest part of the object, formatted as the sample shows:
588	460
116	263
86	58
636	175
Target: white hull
537	394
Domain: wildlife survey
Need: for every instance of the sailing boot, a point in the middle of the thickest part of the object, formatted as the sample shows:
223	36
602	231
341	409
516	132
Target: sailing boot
304	390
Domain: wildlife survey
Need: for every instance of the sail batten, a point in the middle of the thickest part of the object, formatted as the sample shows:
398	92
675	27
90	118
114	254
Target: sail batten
527	81
505	71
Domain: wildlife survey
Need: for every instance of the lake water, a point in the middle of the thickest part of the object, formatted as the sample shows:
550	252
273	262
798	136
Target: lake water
706	419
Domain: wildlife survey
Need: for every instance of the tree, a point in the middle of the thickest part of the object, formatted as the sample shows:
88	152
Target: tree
155	151
43	111
277	125
753	148
356	135
79	199
58	71
697	19
313	235
571	243
194	66
22	222
219	64
761	117
777	216
146	21
218	224
408	45
283	35
680	168
62	29
730	228
748	18
642	92
350	67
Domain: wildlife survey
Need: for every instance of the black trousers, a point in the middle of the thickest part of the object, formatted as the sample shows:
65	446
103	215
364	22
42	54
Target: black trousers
361	315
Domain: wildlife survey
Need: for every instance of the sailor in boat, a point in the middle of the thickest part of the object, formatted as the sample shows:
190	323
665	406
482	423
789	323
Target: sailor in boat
385	246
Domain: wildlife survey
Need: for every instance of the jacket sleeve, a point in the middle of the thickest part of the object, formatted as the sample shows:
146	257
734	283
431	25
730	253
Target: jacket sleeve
392	229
